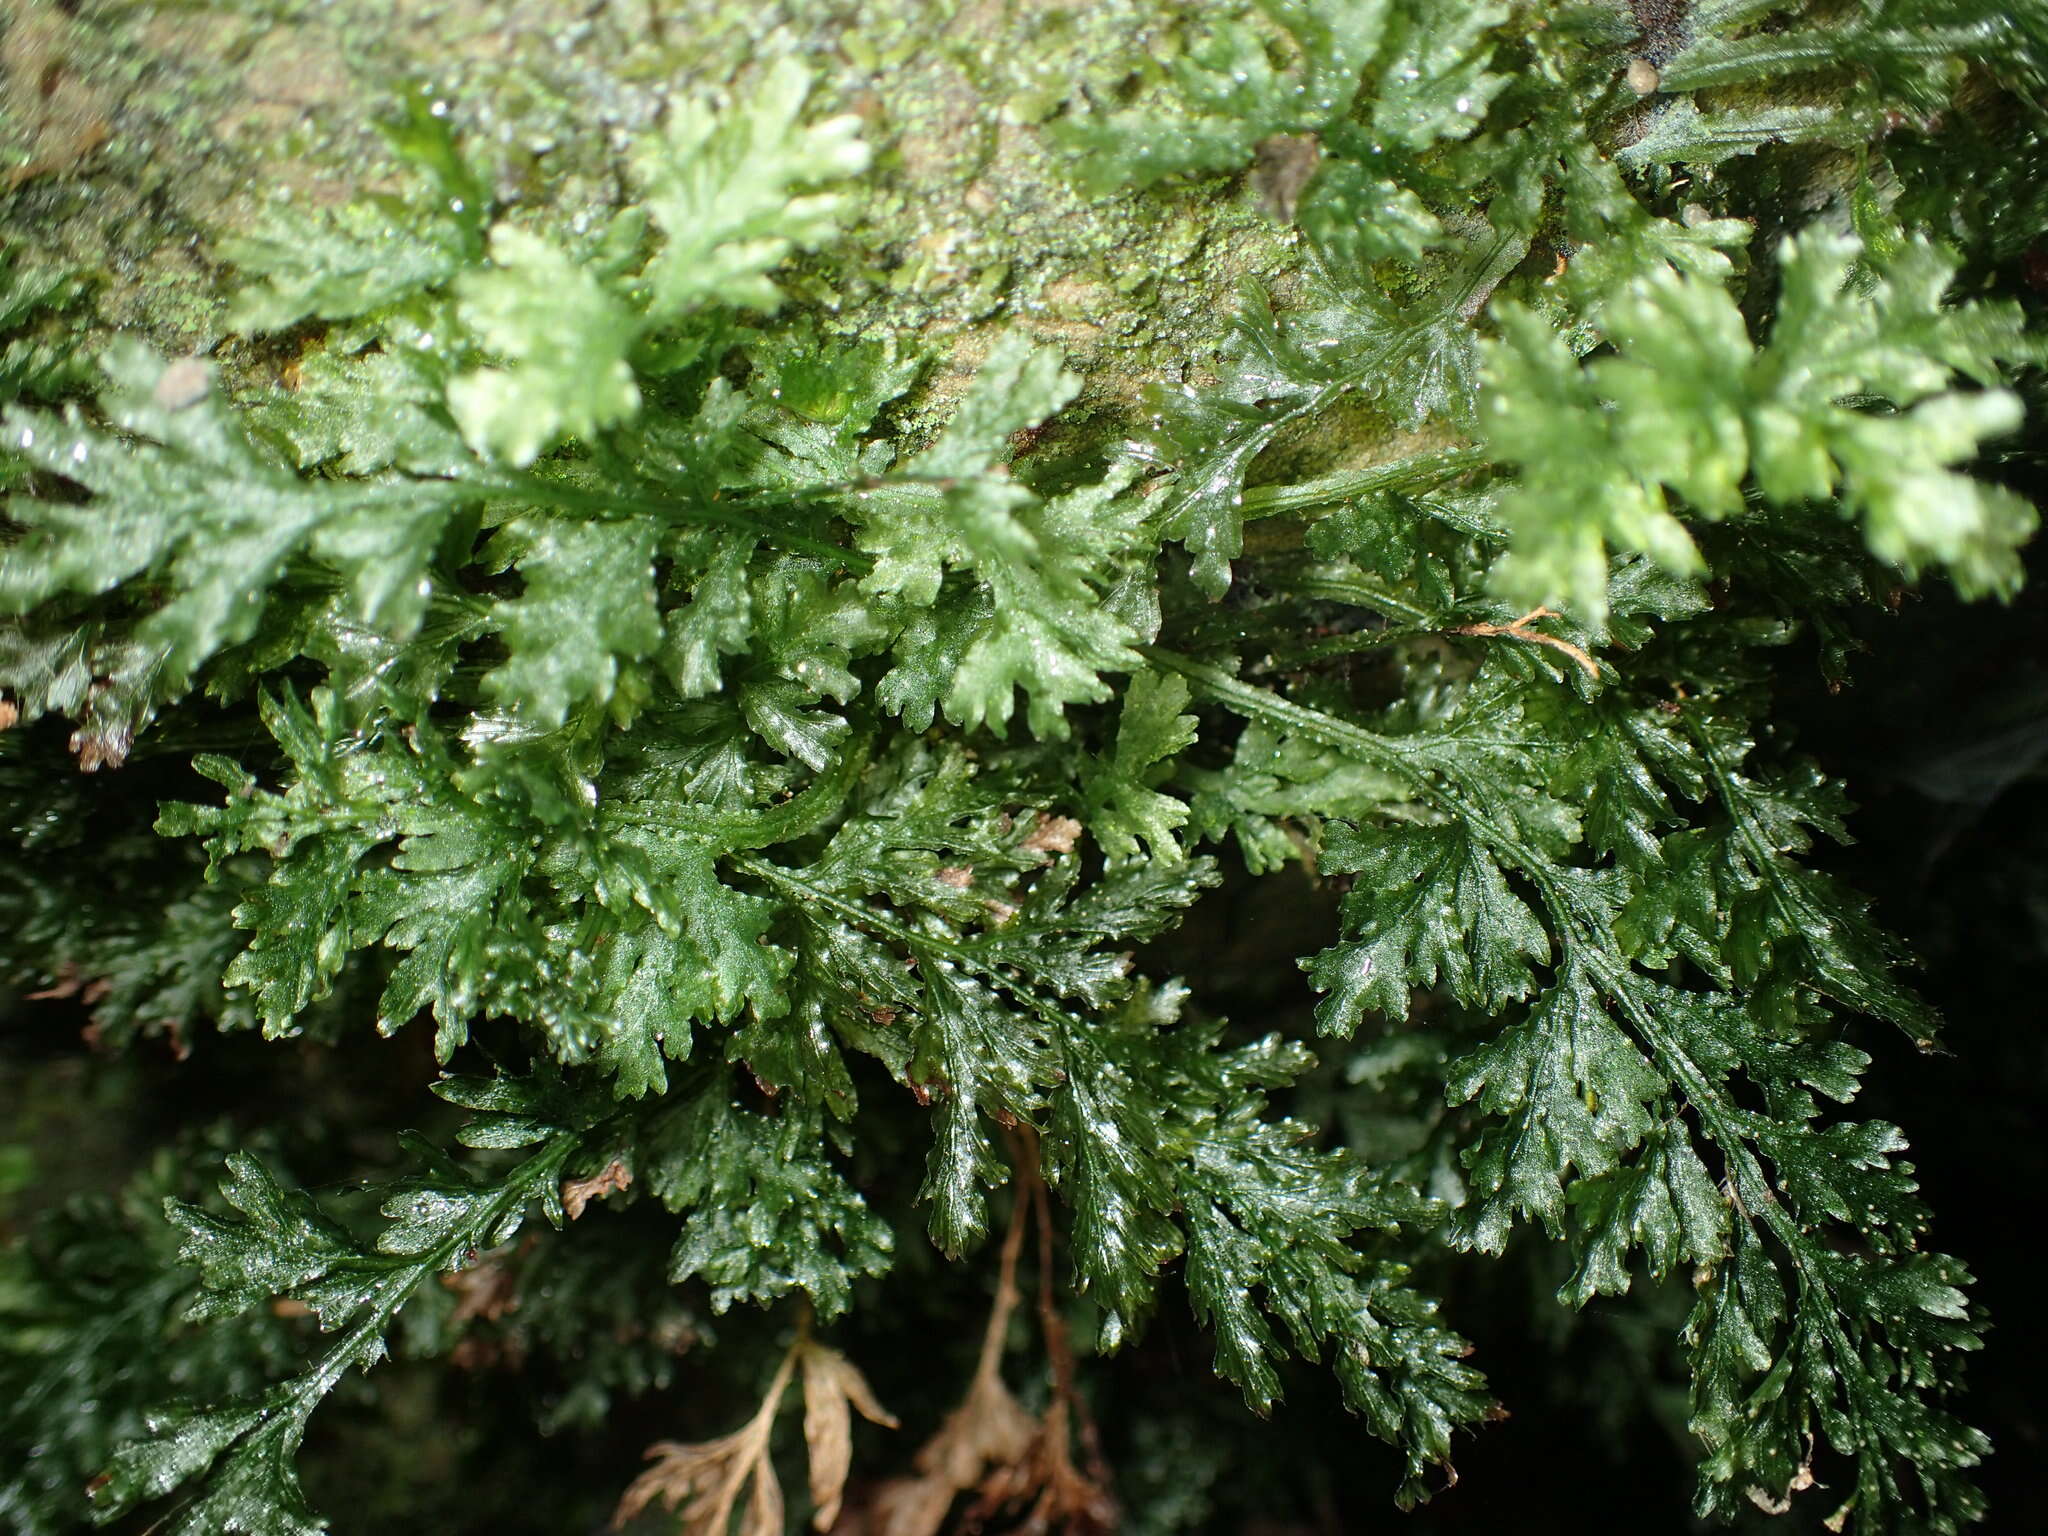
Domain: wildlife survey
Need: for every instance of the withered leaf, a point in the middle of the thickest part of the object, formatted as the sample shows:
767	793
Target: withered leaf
704	1480
988	1430
1058	1495
578	1193
833	1387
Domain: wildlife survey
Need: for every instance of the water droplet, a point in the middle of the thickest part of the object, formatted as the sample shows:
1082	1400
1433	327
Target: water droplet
28	437
439	109
78	453
456	205
1464	103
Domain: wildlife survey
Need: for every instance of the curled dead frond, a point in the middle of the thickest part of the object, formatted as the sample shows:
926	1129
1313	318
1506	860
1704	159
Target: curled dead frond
989	1428
705	1480
1018	1468
833	1388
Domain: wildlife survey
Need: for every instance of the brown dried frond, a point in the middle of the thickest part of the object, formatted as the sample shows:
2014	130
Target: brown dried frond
1069	1500
988	1433
710	1476
988	1428
833	1387
1016	1466
1043	1487
704	1480
1066	1499
578	1193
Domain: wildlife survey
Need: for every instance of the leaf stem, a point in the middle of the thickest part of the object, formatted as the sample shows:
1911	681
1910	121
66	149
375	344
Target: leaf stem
803	813
568	498
1419	472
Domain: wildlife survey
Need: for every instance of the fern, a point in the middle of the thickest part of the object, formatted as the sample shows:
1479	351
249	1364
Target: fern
1846	402
761	767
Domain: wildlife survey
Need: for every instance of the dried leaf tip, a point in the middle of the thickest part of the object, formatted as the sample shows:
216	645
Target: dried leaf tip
578	1193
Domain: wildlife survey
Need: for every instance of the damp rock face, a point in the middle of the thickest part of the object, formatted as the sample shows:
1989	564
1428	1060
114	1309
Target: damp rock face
152	147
